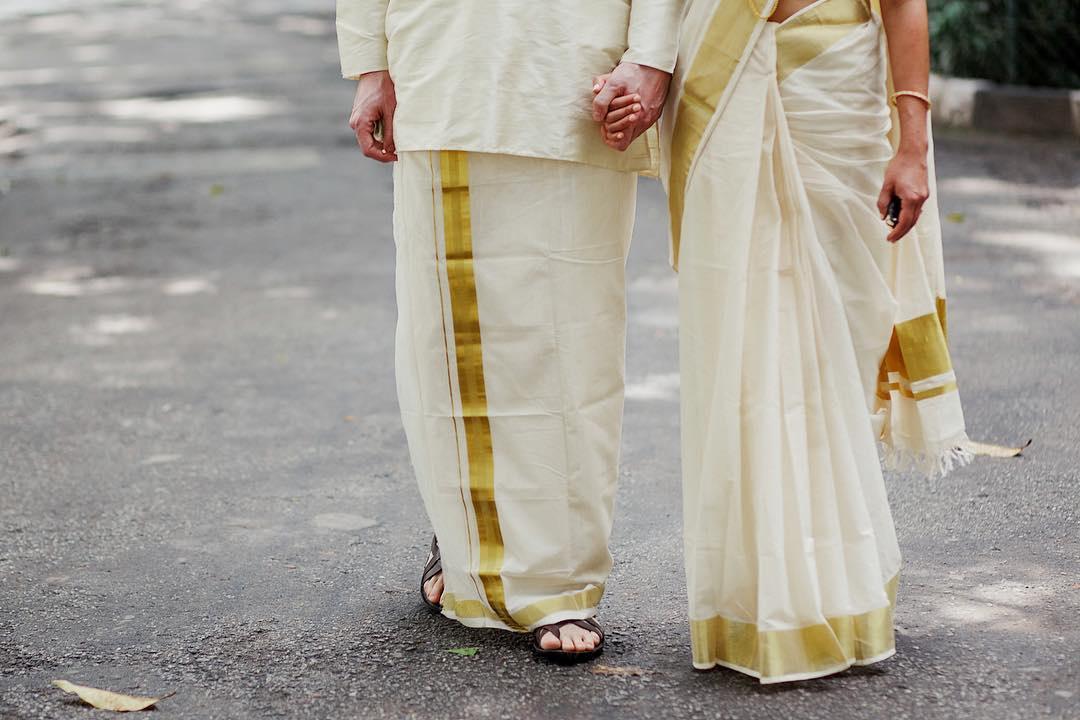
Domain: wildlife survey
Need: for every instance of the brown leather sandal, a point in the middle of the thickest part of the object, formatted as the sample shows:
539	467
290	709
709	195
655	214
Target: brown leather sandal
433	568
562	656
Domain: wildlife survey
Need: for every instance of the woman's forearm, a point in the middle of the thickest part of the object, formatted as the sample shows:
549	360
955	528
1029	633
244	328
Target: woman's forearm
907	31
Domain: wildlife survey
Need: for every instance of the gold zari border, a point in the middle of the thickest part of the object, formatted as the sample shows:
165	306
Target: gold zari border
457	228
718	57
530	615
918	350
815	30
776	655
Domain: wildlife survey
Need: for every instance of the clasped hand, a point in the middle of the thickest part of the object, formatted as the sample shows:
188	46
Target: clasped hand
628	101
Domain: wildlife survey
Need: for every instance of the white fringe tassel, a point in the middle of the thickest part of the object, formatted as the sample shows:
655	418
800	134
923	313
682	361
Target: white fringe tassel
935	462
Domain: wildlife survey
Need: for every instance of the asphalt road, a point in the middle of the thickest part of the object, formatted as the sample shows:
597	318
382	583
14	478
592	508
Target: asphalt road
204	486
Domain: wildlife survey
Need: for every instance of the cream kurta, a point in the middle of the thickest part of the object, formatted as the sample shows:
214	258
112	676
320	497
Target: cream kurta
512	77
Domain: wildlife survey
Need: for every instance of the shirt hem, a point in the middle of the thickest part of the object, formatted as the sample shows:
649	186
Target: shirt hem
636	165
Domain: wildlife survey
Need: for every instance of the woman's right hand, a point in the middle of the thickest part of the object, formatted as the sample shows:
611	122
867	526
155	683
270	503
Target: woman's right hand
906	177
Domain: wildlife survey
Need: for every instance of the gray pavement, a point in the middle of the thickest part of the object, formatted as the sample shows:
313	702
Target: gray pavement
204	486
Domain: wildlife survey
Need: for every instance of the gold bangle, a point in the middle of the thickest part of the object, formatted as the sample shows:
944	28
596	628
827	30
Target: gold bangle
910	93
756	11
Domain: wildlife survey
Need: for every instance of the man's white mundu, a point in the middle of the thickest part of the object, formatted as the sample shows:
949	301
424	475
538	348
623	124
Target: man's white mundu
805	337
512	221
510	282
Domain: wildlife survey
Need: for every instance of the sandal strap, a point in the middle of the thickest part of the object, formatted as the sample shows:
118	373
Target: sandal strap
434	564
591	625
543	630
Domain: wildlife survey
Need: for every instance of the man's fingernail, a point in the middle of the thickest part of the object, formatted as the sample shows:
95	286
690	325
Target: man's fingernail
637	108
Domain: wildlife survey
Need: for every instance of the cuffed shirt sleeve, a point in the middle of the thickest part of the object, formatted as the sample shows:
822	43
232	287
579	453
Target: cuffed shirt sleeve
653	38
361	32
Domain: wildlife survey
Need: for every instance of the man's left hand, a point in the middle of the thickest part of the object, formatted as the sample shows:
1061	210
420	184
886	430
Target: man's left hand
647	85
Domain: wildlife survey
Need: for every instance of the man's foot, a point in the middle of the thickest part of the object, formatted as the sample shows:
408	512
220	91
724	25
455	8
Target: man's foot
433	589
569	641
431	582
571	638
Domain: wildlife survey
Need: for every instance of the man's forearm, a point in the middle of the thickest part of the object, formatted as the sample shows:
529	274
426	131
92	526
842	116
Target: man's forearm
361	31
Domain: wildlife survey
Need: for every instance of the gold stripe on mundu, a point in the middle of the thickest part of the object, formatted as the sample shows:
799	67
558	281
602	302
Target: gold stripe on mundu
470	365
530	615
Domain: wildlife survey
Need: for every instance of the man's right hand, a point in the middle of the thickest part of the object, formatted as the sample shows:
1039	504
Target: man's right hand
373	108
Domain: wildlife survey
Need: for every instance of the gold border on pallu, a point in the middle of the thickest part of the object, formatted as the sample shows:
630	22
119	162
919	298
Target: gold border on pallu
812	31
722	51
918	349
530	615
778	655
468	346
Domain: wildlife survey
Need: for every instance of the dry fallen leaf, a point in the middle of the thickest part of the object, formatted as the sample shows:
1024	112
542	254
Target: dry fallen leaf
614	671
105	700
998	451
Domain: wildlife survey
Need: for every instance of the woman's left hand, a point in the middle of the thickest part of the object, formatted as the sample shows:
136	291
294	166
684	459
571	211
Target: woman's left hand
907	178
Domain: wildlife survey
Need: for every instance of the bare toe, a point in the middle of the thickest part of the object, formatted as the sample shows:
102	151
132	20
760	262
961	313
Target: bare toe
434	589
550	642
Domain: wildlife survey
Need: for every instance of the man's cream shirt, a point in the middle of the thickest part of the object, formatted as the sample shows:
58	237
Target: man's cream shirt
506	76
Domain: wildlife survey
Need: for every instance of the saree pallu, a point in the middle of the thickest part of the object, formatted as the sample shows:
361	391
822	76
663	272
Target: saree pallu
795	352
510	365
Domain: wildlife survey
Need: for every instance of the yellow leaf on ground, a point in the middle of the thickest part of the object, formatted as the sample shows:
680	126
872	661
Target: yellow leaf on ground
626	671
998	451
105	700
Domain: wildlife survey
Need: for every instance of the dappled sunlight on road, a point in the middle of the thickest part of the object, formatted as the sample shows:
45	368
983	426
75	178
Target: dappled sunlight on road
1038	219
984	596
210	109
1060	251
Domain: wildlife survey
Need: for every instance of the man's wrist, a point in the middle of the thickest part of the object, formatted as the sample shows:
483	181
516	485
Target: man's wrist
649	60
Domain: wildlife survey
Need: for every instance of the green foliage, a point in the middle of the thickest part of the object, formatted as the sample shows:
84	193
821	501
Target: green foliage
1023	42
